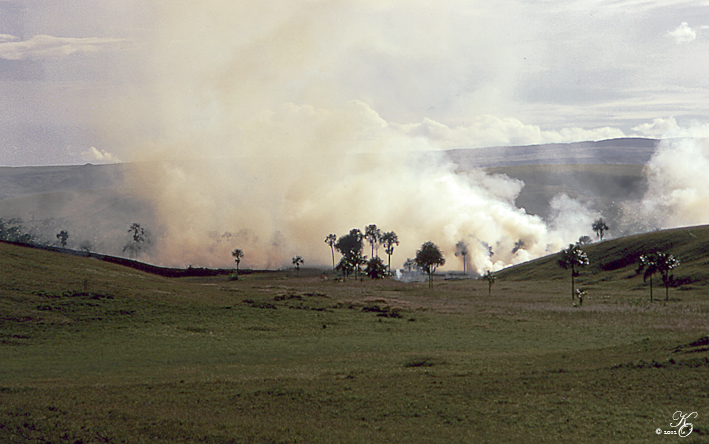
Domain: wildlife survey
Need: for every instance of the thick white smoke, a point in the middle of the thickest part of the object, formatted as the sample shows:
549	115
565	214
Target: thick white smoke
571	218
327	171
242	140
677	187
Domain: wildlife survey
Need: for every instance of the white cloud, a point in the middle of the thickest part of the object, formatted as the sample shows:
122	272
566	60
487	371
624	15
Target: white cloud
46	46
93	154
490	130
683	34
658	128
669	129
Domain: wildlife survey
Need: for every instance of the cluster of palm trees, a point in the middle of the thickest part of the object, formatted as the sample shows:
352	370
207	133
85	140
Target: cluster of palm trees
658	262
351	247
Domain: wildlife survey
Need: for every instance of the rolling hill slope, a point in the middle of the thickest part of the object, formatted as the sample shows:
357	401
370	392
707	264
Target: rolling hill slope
616	260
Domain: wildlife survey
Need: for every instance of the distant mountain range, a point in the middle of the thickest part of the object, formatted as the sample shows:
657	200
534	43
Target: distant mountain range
627	151
27	181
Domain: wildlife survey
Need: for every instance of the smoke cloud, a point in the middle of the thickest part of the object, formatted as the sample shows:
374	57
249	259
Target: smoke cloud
241	138
677	187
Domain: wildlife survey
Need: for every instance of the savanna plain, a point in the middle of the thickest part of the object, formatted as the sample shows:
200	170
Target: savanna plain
93	352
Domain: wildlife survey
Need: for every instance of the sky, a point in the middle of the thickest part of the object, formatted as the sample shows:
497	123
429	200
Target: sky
85	81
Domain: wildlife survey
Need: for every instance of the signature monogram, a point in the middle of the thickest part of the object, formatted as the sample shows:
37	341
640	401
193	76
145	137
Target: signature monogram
685	428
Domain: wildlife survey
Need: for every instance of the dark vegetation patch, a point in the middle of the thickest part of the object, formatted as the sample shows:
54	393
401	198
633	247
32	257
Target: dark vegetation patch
316	295
303	301
195	329
15	339
700	345
286	297
423	362
259	304
83	306
670	363
625	261
383	312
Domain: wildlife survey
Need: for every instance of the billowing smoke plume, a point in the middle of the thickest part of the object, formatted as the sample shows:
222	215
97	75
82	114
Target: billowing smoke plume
570	218
678	191
242	140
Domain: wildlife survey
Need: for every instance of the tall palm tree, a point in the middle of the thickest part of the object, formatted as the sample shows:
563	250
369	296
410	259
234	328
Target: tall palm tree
667	263
331	239
599	226
389	239
648	263
238	254
373	235
462	250
573	258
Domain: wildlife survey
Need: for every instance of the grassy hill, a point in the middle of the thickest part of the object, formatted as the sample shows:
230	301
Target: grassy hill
92	351
616	260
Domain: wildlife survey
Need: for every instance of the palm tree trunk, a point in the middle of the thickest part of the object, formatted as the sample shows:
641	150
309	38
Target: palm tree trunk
573	288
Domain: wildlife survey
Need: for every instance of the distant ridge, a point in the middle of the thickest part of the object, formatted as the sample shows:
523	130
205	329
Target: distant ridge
625	151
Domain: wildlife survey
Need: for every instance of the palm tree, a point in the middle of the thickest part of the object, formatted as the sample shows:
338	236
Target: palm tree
599	226
462	249
490	278
661	263
573	258
297	261
373	235
389	239
331	239
648	263
667	263
238	254
429	257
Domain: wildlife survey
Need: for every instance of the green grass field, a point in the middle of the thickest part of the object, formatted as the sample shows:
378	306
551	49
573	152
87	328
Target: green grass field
92	352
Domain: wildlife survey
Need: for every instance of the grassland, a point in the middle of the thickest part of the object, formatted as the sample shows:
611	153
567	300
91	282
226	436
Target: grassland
94	352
